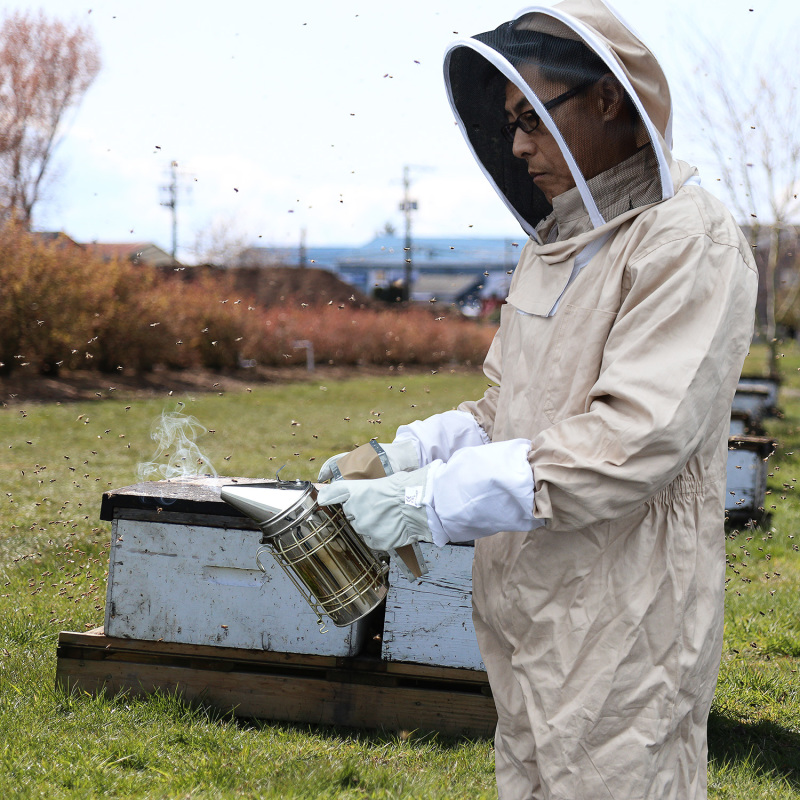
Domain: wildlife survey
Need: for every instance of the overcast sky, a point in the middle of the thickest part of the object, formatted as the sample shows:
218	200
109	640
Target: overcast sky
290	116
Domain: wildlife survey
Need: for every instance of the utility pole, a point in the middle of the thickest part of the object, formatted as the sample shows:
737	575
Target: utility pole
302	255
171	192
407	206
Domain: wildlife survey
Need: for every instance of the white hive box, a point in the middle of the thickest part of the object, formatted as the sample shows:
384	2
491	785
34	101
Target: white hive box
743	424
746	482
430	621
738	426
183	569
770	385
756	399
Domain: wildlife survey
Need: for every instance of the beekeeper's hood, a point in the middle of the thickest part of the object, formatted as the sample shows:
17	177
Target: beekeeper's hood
578	52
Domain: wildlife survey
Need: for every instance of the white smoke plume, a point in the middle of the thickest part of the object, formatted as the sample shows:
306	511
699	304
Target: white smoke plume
177	454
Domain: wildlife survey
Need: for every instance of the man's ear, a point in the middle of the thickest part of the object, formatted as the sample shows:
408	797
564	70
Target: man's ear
610	97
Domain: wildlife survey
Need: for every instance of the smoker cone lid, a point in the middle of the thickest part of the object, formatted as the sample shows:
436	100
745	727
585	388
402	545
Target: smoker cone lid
268	517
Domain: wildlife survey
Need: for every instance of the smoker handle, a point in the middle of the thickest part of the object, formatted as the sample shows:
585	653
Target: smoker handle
411	562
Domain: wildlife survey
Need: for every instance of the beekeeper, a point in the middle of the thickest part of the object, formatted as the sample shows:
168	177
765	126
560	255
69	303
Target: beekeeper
592	472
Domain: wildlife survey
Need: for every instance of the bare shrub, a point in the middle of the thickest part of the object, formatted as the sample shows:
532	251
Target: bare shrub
136	329
211	321
360	336
60	306
51	296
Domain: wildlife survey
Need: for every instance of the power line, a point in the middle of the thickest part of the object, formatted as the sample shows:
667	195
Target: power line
407	206
170	192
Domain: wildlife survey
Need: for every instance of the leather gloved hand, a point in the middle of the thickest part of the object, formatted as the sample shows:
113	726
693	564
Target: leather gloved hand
386	512
480	491
371	460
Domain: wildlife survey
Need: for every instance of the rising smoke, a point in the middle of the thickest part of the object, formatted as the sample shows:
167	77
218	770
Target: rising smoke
177	454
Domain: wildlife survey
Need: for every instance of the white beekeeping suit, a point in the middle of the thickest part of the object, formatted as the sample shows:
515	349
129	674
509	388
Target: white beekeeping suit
592	475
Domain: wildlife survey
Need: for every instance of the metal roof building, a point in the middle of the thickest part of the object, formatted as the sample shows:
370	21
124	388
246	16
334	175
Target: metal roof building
448	269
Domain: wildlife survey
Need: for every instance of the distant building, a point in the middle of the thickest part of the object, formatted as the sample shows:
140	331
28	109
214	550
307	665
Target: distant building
58	239
133	252
453	271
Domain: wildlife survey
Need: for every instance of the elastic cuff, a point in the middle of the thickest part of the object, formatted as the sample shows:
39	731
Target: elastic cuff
403	455
440	538
481	432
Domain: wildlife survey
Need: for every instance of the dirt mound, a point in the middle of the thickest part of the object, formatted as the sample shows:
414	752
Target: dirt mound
271	286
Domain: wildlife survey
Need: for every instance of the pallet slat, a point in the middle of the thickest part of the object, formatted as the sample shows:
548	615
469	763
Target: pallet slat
307	689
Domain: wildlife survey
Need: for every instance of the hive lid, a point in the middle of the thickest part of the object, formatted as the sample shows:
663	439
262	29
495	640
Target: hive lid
195	495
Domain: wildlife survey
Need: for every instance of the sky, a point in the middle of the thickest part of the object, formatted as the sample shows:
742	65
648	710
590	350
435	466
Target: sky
297	119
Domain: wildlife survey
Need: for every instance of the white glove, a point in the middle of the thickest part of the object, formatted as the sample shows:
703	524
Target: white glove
386	512
396	457
478	492
440	435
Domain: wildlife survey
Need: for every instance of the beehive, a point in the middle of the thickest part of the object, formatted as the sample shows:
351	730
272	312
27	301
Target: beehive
183	569
430	621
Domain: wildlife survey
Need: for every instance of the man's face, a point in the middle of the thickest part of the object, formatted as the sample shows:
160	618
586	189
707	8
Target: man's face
546	164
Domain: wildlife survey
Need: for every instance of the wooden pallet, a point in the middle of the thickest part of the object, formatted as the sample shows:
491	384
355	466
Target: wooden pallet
324	690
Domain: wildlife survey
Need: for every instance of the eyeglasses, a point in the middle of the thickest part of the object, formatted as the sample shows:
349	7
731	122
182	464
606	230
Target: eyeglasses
528	121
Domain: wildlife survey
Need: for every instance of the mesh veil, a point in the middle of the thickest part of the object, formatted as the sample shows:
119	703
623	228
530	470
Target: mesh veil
608	143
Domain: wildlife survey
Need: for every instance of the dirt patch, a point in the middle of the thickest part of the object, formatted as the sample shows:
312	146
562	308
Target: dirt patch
72	386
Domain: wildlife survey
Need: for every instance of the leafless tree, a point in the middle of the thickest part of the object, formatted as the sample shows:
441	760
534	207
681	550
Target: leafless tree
46	66
749	112
220	242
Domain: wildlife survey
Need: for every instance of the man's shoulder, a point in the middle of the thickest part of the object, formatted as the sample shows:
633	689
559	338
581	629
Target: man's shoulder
692	212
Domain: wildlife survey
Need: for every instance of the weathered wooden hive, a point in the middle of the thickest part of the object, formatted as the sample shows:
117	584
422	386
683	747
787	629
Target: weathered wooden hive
189	610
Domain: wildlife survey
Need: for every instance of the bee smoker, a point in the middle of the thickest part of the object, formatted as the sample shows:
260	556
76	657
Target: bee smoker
336	573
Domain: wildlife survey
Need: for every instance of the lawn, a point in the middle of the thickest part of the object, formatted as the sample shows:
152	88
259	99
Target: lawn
57	459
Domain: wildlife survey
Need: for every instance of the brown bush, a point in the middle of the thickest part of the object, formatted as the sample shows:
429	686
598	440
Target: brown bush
358	336
50	298
169	321
135	329
210	321
59	306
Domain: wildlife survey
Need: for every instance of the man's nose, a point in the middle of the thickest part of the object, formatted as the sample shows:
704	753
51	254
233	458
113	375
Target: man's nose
523	144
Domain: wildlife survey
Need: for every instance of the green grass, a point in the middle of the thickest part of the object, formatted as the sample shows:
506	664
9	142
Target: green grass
56	461
754	730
